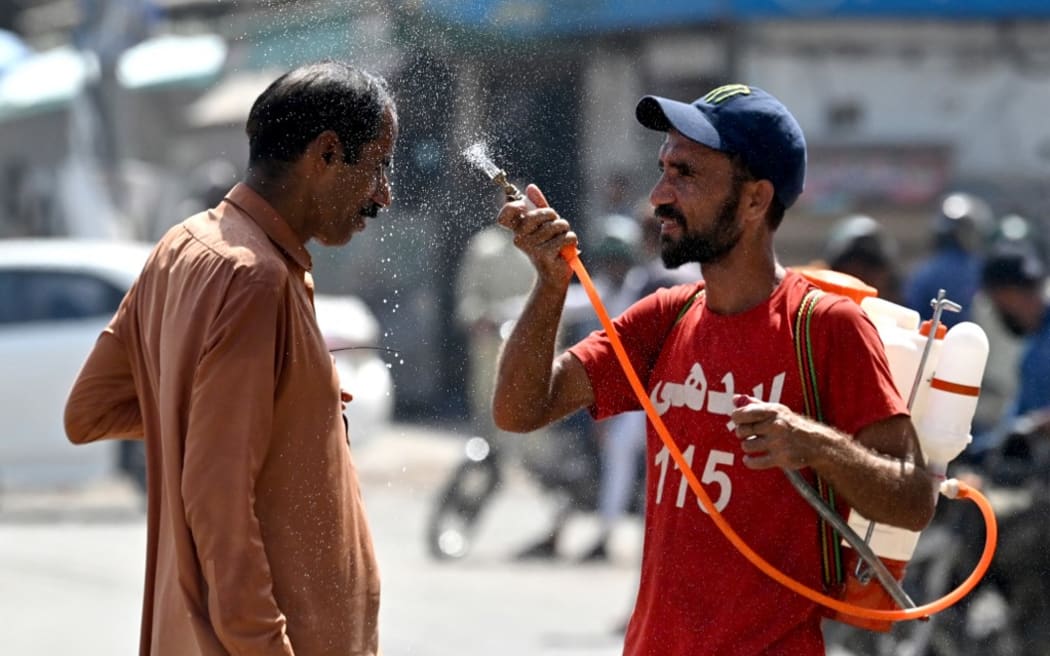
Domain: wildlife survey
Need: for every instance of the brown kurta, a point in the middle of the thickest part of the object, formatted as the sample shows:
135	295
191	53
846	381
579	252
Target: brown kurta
257	536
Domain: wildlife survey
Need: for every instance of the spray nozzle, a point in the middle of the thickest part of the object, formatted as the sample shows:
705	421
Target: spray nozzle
511	191
478	155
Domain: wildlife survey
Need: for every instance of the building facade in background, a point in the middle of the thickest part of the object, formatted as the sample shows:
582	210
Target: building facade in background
901	101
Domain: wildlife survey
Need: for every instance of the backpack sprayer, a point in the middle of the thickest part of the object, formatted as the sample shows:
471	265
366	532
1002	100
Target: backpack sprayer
944	404
939	371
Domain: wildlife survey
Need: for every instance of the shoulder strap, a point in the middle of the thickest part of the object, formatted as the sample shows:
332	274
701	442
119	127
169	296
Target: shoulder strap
804	354
830	540
688	304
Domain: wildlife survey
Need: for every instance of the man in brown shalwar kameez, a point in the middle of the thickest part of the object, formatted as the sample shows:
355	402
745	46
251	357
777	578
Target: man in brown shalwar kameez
257	537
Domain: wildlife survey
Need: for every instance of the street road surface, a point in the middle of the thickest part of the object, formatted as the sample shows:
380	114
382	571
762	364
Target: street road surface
71	566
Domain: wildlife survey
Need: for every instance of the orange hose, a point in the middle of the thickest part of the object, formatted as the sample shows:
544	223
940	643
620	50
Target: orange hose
571	256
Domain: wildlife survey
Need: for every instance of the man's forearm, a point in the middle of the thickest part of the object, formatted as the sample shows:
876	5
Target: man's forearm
522	397
879	471
887	489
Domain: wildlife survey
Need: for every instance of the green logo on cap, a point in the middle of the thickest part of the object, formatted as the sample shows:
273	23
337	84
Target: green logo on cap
725	92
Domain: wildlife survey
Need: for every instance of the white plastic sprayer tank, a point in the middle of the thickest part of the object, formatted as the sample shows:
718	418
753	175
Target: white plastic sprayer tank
942	408
944	403
944	424
899	330
904	342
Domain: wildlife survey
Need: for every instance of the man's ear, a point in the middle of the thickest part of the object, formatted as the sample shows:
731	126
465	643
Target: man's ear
326	146
756	198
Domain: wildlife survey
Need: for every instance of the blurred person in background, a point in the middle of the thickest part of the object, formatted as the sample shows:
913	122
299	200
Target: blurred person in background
620	439
999	384
491	285
258	541
1014	278
857	245
639	272
595	450
961	231
731	164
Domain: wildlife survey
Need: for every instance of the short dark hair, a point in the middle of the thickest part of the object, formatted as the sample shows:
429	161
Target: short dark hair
306	101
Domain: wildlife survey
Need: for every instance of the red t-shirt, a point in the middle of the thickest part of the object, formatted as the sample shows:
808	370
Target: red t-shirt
697	594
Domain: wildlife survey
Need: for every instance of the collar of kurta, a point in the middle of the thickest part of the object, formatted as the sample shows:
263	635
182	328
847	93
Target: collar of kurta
267	218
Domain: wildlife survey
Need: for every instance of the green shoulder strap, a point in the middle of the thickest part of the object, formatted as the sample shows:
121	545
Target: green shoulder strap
685	308
830	540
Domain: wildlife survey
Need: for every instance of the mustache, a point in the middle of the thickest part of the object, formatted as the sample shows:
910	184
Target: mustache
669	212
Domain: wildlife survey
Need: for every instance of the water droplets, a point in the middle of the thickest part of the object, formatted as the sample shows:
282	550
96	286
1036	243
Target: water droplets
477	154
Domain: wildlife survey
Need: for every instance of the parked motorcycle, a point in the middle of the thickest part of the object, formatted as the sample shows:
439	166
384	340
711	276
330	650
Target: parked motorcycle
567	466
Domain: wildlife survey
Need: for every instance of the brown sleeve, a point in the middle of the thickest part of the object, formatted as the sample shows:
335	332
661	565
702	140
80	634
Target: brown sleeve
103	402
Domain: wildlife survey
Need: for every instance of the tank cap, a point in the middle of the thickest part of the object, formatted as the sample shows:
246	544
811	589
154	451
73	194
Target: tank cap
924	329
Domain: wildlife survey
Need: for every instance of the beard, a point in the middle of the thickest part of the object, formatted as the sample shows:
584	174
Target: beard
706	246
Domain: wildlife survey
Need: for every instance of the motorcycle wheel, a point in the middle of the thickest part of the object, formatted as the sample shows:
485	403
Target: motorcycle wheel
454	519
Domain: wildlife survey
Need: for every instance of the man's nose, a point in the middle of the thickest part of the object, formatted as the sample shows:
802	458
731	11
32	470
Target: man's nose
661	194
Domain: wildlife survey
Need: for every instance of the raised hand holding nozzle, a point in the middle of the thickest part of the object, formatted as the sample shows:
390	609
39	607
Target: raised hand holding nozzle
545	237
538	230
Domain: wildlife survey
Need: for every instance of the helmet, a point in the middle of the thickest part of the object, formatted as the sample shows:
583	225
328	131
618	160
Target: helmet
1013	264
617	239
859	238
964	220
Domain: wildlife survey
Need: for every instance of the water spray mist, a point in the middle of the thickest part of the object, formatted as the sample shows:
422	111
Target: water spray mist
478	155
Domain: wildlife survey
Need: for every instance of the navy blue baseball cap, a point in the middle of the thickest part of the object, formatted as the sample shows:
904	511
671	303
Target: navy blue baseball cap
740	120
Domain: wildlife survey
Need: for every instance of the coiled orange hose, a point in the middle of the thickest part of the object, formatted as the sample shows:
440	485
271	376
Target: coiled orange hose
571	255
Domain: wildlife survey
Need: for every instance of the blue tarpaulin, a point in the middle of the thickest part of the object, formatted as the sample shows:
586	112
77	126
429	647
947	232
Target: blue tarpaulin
585	16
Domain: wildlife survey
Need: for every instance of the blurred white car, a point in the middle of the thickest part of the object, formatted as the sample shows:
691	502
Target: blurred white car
352	334
56	296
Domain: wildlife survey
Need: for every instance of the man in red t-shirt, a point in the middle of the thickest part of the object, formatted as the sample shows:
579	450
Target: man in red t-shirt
719	363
